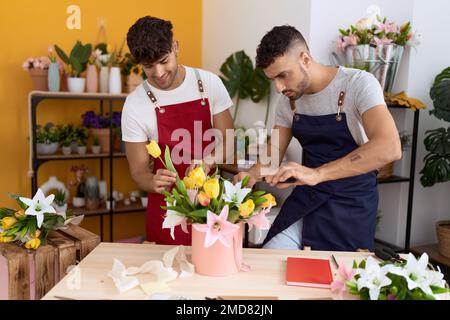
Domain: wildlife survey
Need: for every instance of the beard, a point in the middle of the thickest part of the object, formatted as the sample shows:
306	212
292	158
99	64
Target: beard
297	93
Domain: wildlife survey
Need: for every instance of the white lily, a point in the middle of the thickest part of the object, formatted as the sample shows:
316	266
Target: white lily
235	193
416	274
173	219
38	206
373	277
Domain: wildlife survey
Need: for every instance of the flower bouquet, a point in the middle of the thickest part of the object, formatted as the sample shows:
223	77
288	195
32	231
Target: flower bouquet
217	210
411	279
376	45
31	223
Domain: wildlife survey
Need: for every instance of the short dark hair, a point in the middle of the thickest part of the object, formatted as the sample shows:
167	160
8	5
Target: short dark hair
275	43
149	39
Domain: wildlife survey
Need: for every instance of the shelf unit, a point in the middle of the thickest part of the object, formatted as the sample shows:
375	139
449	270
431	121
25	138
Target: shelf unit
105	100
233	169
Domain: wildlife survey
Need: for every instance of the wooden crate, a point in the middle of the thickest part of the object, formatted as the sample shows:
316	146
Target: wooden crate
30	274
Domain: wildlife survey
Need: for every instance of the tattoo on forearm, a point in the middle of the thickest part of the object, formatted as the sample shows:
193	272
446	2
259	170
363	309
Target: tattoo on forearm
354	158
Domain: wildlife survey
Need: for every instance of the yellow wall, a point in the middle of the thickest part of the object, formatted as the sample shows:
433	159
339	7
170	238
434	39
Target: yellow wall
27	28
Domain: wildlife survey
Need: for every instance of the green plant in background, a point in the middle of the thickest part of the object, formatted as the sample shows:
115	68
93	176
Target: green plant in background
243	81
60	198
96	141
82	134
68	134
78	59
437	142
47	134
128	66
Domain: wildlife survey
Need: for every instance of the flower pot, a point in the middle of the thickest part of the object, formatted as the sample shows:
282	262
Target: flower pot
443	235
133	80
78	202
92	79
217	260
66	150
144	201
103	135
76	85
74	146
54	79
39	78
382	61
47	148
81	149
115	81
104	79
96	149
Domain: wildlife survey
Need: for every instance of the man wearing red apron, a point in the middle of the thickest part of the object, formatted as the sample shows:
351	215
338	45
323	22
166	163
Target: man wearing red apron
175	102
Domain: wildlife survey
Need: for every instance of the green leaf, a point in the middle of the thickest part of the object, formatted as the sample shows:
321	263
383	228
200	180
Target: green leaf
198	213
440	94
259	85
439	290
168	160
77	67
245	181
62	55
362	264
181	187
259	201
258	194
233	216
237	73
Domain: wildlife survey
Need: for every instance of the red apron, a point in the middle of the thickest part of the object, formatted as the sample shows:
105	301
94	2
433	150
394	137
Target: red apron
169	118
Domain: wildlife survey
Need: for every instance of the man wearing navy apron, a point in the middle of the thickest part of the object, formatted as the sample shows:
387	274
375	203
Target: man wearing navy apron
174	97
340	118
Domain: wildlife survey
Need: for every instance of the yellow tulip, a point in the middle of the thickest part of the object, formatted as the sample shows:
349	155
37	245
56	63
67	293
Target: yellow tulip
33	244
189	182
109	48
8	222
153	149
271	201
19	214
203	199
246	208
212	188
5	239
198	176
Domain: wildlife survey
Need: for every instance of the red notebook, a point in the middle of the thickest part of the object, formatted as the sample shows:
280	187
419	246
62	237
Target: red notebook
307	272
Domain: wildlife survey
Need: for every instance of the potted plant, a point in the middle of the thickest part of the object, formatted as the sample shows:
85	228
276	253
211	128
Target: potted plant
60	202
437	143
144	198
76	64
100	126
81	147
81	135
115	78
79	200
134	74
47	138
38	70
243	81
103	62
68	135
96	148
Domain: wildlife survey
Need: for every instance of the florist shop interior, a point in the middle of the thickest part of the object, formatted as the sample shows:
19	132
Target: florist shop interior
99	179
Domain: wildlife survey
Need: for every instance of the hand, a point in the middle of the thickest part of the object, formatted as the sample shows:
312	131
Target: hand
163	180
241	175
303	176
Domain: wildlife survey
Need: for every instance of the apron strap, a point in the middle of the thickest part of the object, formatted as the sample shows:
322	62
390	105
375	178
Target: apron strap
200	86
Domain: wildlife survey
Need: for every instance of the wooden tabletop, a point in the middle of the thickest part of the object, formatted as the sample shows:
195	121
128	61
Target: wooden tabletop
266	277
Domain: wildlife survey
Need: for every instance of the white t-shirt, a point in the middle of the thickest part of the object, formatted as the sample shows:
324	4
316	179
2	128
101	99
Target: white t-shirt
362	92
139	116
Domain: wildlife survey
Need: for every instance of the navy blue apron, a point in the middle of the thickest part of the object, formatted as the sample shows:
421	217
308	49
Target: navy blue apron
338	215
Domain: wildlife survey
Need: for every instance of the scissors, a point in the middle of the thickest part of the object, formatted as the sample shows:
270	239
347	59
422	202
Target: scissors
387	254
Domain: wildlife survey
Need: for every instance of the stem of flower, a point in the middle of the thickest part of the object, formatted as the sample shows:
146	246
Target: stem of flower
163	162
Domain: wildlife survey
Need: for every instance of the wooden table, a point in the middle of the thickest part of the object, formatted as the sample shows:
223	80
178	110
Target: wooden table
266	277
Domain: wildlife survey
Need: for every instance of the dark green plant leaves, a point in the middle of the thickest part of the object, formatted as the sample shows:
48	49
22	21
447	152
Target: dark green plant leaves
237	74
